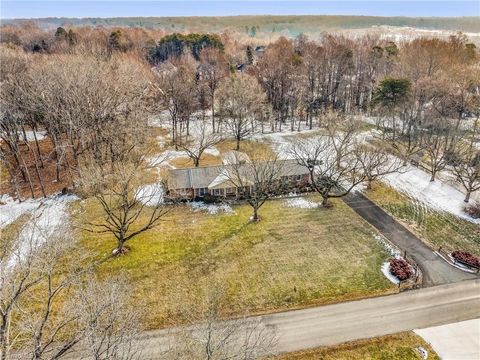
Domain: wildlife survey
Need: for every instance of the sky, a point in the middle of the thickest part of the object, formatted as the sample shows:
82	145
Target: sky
89	8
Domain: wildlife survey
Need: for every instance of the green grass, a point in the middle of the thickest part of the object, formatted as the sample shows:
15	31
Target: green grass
434	227
291	258
400	346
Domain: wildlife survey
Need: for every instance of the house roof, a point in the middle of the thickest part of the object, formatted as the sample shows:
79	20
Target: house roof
214	176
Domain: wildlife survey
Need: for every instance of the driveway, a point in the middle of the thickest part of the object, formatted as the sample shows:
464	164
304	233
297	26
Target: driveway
436	271
457	341
334	324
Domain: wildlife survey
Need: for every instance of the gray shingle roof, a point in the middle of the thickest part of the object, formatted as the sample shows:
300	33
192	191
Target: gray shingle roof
201	177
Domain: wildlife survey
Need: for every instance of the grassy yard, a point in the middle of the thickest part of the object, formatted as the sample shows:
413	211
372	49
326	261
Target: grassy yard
250	147
434	227
293	257
400	346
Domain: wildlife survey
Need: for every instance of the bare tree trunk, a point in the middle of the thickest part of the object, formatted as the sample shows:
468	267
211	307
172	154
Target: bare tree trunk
38	148
29	180
325	201
255	213
467	198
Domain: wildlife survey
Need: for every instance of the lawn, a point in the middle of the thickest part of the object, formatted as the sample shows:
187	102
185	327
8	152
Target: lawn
293	257
250	147
434	227
400	346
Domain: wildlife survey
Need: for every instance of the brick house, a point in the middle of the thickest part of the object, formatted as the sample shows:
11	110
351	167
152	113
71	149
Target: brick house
196	183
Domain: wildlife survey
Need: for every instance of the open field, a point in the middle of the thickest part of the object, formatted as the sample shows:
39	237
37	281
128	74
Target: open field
392	347
434	227
293	257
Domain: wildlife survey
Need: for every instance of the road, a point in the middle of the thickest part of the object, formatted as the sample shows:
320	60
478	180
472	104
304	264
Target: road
338	323
436	271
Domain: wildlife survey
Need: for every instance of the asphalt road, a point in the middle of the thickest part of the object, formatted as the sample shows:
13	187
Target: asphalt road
436	271
338	323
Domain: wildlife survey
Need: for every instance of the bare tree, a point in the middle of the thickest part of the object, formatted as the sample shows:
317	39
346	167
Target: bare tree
33	278
241	101
210	337
51	304
438	143
334	171
129	206
377	162
176	94
213	68
466	164
257	179
108	320
201	139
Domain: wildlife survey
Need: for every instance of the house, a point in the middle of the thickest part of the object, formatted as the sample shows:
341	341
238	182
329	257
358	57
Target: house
164	69
196	183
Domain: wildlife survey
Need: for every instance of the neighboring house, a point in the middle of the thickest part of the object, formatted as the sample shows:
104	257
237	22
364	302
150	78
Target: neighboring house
191	183
258	53
164	68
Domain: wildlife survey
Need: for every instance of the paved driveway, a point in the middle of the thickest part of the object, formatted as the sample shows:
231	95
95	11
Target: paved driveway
457	341
436	271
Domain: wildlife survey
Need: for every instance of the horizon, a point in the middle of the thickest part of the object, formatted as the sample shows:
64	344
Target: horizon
19	9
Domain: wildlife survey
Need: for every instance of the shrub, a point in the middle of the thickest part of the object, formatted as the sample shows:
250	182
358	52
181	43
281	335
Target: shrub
467	258
400	269
473	210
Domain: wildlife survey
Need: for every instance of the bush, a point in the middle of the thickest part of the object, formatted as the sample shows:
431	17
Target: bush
473	210
400	269
467	258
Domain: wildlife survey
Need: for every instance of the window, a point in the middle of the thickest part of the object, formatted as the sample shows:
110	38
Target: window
202	191
230	191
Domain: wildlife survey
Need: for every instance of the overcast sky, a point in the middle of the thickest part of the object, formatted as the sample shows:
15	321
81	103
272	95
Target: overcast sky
67	8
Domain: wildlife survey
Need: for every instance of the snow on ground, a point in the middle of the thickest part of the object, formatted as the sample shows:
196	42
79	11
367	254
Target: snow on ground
439	196
300	202
212	209
11	209
163	158
47	216
212	151
150	195
30	135
392	250
386	271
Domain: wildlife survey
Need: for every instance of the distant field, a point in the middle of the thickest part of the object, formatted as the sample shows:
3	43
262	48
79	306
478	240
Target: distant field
435	228
287	25
293	257
400	346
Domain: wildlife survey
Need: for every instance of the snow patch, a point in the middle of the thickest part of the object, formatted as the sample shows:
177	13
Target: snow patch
392	250
301	203
47	218
11	209
386	271
439	196
150	195
212	209
212	151
30	135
